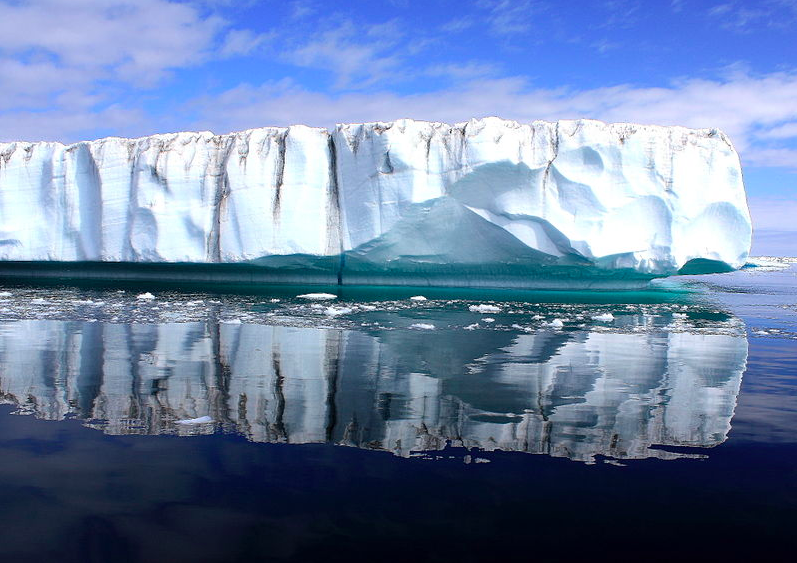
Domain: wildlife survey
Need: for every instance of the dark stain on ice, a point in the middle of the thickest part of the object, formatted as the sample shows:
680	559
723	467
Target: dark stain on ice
280	174
387	166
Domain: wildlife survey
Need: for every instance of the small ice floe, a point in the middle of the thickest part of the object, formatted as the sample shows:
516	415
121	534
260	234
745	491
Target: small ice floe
368	307
317	296
556	324
335	311
422	326
38	301
274	301
200	420
230	321
194	303
537	318
603	317
484	309
474	326
523	328
418	298
145	296
488	319
5	294
679	315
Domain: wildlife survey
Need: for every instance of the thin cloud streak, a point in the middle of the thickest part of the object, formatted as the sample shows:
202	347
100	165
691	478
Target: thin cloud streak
743	106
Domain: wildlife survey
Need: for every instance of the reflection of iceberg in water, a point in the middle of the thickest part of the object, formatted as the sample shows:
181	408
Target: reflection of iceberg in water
568	394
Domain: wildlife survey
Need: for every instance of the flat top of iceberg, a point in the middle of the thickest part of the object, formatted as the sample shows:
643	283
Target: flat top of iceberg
626	128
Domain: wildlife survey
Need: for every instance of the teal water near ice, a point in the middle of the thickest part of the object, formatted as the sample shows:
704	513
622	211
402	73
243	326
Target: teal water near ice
240	424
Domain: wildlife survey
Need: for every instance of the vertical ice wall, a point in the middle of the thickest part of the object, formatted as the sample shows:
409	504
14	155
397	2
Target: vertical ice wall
394	195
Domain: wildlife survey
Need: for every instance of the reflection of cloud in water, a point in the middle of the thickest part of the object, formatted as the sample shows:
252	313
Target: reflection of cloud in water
570	394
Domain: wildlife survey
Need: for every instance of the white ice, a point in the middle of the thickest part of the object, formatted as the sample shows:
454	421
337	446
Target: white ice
404	194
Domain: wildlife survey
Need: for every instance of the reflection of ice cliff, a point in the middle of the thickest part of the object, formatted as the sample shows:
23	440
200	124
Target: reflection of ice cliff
568	394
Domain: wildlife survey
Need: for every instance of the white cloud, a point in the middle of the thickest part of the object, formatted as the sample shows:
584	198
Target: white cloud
511	17
135	41
741	105
242	42
464	71
74	124
357	56
785	131
744	17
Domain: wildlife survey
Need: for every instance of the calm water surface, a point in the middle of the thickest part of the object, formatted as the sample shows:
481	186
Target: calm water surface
170	425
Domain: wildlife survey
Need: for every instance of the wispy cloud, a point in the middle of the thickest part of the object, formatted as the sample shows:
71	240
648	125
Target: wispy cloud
742	105
507	18
242	42
68	66
462	71
356	56
785	131
744	17
130	41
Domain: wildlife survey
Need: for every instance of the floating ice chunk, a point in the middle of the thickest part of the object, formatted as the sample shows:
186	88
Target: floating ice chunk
335	311
422	326
488	319
317	296
603	317
418	298
200	420
274	300
679	315
194	303
5	294
474	326
230	321
38	301
556	324
484	309
145	296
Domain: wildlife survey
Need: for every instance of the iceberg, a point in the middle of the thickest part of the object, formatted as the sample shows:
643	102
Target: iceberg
488	202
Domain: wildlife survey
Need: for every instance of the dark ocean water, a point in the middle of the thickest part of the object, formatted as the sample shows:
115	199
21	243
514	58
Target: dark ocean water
145	423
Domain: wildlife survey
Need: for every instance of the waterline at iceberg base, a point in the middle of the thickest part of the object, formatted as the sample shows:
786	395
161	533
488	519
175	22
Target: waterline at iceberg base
487	203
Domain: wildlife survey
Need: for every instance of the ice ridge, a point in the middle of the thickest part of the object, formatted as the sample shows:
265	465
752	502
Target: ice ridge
485	202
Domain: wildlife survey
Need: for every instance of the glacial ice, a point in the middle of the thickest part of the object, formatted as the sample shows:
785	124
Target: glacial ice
488	202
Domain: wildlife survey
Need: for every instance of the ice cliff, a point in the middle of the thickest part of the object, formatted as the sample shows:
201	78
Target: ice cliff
487	202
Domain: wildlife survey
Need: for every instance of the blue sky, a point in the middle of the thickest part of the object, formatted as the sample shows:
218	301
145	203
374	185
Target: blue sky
80	69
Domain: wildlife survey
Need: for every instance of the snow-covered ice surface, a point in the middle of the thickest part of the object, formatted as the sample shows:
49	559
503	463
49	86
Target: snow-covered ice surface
483	203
